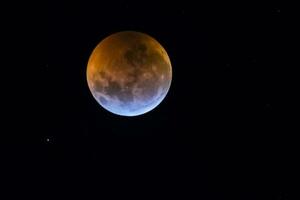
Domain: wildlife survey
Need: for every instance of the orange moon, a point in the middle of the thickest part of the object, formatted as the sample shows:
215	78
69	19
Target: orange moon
129	73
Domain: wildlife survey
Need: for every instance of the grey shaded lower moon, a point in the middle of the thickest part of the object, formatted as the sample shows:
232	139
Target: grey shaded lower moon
129	73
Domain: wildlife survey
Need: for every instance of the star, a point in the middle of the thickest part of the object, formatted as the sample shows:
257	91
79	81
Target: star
48	140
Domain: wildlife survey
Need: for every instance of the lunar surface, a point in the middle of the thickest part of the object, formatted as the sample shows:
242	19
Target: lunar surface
129	73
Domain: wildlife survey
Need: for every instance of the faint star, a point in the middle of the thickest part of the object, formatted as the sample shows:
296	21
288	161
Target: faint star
268	106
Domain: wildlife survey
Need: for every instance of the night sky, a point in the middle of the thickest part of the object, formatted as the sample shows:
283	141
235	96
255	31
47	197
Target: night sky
219	133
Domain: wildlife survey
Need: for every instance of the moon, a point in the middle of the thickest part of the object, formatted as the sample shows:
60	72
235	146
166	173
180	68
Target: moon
129	73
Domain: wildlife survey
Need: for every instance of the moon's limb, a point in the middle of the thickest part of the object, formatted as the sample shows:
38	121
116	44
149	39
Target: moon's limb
134	108
133	80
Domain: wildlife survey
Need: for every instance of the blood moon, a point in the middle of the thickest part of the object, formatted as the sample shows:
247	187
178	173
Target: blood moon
129	73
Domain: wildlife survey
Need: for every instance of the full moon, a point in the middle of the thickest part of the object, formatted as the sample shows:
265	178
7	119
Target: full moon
129	73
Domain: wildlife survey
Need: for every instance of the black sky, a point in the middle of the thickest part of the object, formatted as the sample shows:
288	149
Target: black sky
220	132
